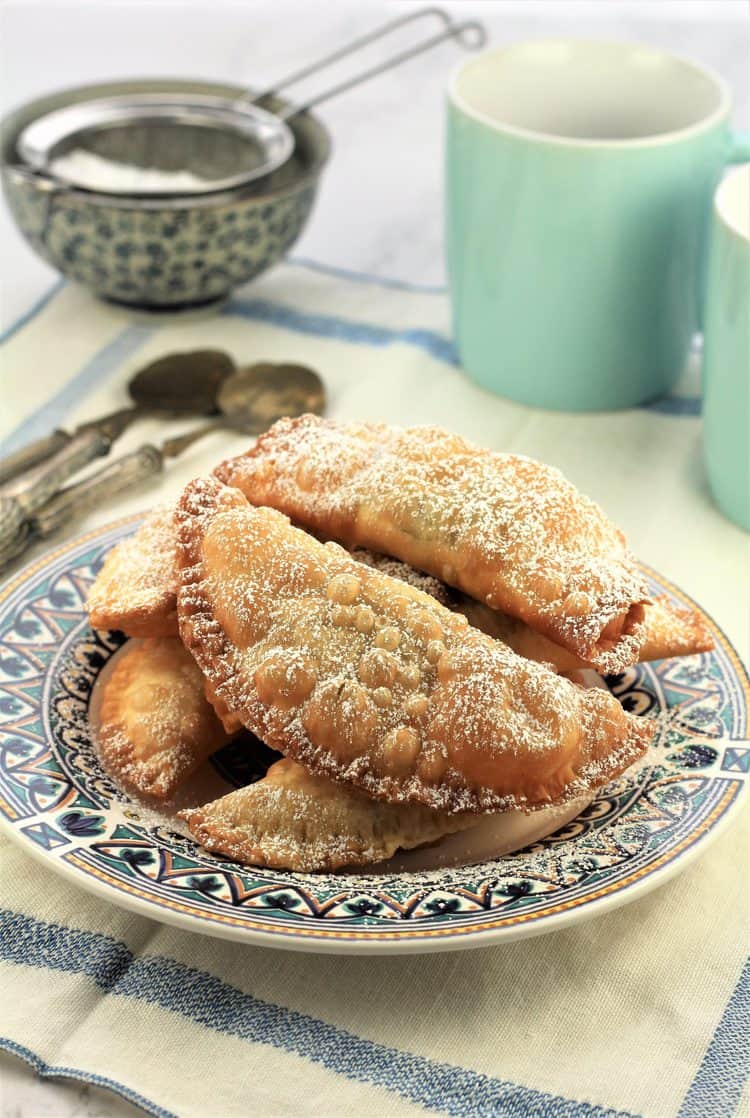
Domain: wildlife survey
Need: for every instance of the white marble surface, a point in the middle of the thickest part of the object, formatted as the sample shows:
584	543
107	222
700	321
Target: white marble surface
380	207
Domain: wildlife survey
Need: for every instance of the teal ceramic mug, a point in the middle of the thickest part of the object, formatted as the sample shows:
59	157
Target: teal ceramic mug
579	184
726	350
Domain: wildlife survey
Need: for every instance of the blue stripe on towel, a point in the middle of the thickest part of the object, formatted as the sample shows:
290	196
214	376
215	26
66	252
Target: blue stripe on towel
206	1000
369	334
32	312
53	1071
341	329
132	337
717	1088
367	277
51	413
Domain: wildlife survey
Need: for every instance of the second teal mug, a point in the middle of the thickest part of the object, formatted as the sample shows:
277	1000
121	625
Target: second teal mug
579	181
726	350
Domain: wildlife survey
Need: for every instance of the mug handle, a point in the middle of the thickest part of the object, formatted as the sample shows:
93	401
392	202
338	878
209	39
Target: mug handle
740	149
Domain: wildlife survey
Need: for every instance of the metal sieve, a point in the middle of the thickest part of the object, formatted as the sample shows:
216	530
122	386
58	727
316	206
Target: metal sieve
157	144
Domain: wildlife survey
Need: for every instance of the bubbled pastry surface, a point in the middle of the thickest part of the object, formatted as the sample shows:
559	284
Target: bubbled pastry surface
413	706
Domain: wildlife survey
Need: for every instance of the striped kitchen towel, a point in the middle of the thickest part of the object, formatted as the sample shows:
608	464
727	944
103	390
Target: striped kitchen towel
644	1011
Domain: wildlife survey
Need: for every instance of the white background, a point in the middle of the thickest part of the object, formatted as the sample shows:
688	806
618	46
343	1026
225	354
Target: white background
380	208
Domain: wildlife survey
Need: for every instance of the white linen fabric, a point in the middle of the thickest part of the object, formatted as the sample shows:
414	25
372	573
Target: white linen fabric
641	1012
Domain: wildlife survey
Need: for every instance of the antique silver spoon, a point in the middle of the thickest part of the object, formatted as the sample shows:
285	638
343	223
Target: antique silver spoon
251	399
178	384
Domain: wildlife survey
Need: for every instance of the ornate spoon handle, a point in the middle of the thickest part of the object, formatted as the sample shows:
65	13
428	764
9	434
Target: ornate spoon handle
11	519
21	498
16	543
38	485
32	454
115	477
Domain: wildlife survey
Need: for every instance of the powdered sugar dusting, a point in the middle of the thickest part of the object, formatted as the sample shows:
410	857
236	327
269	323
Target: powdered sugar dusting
136	589
394	568
155	726
370	681
295	820
137	593
507	530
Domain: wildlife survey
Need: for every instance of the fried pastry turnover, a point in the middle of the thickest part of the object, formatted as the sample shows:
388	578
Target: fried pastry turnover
155	724
231	723
363	678
136	592
295	820
136	589
506	530
670	631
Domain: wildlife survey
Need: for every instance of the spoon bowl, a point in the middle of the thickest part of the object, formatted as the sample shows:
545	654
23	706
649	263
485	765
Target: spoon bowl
182	383
255	397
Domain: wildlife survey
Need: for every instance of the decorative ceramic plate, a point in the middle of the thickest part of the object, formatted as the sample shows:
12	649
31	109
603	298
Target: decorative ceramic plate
56	799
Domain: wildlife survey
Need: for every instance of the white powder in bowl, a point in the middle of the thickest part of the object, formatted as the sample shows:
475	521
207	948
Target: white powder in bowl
85	168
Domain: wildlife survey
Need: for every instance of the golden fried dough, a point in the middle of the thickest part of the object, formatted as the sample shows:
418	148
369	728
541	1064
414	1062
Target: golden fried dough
508	531
155	725
231	723
294	820
670	631
135	591
365	679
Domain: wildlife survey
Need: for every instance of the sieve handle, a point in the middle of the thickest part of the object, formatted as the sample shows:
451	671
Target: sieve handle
470	33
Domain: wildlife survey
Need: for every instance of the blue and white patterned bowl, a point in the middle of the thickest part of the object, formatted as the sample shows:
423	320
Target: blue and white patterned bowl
172	252
57	801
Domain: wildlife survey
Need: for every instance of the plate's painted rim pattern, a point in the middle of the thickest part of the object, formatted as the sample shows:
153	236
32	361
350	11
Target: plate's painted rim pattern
723	805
